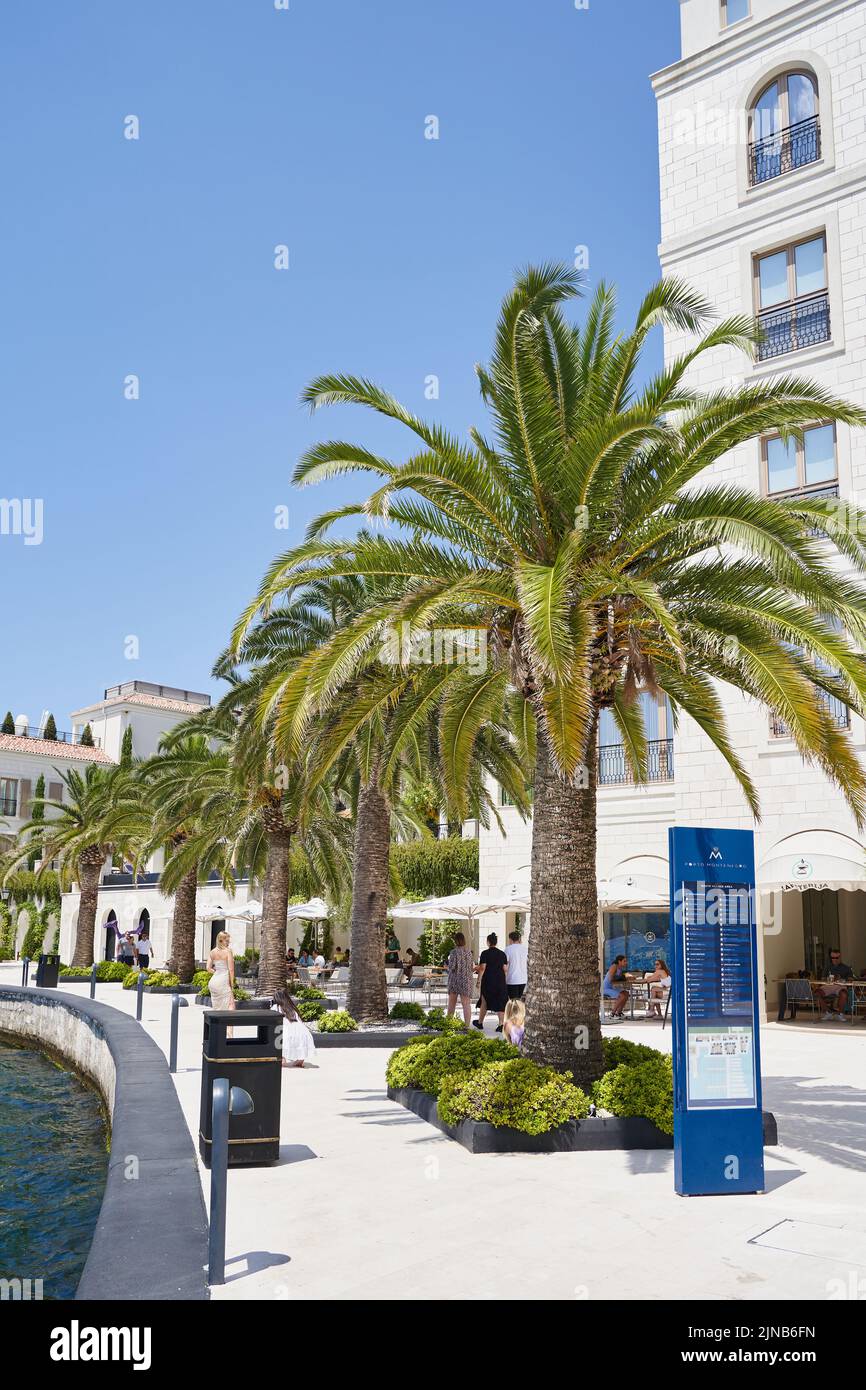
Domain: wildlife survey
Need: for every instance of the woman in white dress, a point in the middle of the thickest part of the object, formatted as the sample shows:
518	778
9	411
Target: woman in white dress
298	1045
221	965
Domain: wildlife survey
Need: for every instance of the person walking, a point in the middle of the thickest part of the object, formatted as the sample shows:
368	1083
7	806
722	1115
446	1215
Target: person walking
517	974
144	950
221	967
491	978
126	949
460	968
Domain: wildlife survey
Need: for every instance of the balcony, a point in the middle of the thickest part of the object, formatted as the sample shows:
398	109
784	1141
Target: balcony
614	770
795	326
829	490
839	713
789	149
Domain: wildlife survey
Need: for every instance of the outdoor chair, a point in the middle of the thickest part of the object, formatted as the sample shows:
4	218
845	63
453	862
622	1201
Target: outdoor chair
800	995
338	981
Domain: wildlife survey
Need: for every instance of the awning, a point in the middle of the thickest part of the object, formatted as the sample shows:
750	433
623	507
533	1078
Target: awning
640	882
817	859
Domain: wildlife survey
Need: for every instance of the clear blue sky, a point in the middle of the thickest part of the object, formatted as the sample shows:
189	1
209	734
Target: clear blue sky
155	257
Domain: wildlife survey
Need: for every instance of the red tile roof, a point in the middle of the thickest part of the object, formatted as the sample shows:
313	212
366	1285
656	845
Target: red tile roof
47	748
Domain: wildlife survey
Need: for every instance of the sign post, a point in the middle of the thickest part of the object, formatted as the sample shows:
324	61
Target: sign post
718	1115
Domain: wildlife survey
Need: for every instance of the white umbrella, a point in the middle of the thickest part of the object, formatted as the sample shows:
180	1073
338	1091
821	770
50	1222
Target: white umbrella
251	911
315	910
467	907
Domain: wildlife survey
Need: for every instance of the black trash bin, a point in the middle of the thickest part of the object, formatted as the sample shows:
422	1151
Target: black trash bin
250	1058
47	972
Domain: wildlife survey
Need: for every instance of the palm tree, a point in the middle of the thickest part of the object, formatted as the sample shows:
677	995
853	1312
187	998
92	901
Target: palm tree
85	828
183	792
584	539
370	727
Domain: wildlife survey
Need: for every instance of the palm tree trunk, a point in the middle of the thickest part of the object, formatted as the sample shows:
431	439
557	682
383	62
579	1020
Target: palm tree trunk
368	995
182	959
562	1014
89	873
275	901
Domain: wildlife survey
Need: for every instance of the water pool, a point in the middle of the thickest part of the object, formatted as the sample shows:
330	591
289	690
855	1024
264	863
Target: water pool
53	1165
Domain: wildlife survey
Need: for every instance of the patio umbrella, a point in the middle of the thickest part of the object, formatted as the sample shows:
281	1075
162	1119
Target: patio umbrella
314	910
252	910
467	907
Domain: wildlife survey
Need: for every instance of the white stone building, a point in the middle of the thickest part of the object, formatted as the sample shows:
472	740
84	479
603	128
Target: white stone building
762	142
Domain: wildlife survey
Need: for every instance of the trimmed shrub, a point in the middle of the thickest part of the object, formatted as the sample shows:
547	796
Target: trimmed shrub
450	1054
310	1009
338	1021
646	1089
50	730
33	937
162	979
309	992
440	1021
403	1064
106	970
515	1095
406	1009
619	1051
7	933
8	725
201	981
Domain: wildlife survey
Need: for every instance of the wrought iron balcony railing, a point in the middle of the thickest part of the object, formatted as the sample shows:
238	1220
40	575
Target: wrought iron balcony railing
801	324
614	770
830	490
838	712
788	149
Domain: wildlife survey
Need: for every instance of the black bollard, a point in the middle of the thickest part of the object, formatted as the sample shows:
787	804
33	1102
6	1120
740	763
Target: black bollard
240	1102
177	1003
93	981
140	992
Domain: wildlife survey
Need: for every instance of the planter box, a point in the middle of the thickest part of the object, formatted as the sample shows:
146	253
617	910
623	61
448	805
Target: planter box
205	1002
359	1039
574	1137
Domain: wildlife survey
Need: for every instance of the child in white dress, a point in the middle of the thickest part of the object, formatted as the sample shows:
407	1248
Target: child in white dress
298	1045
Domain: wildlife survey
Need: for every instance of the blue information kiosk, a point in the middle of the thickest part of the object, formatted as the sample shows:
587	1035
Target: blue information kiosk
718	1119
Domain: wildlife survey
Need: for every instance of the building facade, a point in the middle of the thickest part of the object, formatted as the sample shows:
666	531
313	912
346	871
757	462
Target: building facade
762	147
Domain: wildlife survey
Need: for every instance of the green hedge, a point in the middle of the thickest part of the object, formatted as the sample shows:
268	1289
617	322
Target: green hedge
309	992
442	1023
617	1051
106	970
424	1063
646	1089
515	1095
161	979
407	1010
337	1021
7	933
310	1009
432	868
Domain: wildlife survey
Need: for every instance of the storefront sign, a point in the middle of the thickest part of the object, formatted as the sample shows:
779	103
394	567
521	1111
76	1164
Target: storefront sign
718	1129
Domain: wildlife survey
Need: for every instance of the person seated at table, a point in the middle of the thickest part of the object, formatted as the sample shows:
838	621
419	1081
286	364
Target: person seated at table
338	956
410	960
306	959
834	991
659	982
613	986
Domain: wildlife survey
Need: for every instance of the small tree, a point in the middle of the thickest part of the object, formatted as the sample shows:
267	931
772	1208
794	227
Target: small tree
37	814
50	730
87	737
8	725
126	748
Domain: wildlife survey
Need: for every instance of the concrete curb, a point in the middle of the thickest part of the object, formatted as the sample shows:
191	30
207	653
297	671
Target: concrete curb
151	1235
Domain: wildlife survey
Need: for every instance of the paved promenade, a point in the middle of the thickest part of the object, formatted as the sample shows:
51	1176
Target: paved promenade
370	1202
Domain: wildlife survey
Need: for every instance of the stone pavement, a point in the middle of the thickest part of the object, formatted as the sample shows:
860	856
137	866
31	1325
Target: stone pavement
370	1202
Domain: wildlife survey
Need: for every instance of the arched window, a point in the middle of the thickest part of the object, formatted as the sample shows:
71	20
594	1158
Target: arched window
785	127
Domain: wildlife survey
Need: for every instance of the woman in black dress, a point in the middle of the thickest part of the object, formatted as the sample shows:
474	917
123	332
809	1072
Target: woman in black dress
491	969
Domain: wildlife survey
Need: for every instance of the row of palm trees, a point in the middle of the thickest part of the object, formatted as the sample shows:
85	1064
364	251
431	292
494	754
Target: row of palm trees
579	537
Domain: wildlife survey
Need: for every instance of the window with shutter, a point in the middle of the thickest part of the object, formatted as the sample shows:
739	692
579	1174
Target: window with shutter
24	798
55	791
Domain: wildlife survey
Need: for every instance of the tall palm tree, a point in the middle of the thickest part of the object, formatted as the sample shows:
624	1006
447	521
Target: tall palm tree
351	717
183	793
85	827
584	537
